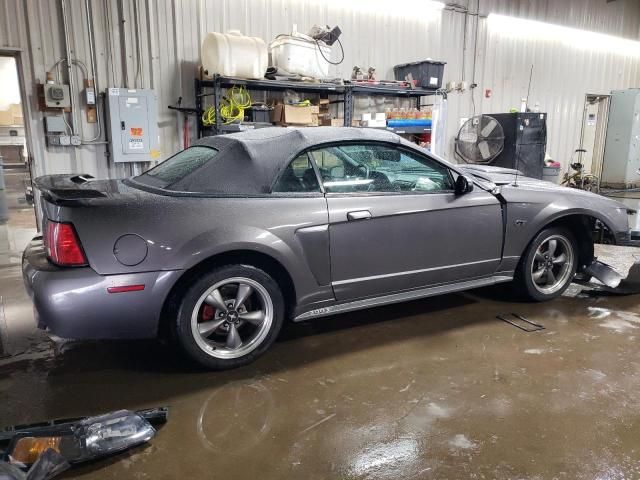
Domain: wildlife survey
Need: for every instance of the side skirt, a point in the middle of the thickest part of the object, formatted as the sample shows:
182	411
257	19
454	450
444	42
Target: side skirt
403	297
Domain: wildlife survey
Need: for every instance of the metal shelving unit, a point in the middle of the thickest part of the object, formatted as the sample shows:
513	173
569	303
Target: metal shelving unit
213	88
345	93
409	130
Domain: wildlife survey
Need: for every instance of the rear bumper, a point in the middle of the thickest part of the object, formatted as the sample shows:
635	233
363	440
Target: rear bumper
74	302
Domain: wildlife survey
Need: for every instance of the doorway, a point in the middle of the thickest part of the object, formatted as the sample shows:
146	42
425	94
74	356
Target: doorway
594	132
17	213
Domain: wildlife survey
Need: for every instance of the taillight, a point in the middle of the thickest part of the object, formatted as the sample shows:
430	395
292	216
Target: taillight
63	246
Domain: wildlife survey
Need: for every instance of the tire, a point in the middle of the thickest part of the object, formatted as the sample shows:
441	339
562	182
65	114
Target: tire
532	275
213	331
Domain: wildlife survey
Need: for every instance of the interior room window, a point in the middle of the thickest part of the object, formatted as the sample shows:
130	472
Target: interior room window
299	176
379	168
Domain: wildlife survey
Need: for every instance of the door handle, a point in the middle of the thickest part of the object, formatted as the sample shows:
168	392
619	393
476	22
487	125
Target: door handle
359	215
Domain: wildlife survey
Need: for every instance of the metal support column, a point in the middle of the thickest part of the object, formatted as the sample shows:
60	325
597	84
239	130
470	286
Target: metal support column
217	97
348	106
198	106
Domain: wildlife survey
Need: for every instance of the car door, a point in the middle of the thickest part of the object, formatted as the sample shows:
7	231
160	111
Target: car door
395	222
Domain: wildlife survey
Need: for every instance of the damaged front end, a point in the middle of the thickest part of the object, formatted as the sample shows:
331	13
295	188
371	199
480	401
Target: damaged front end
610	280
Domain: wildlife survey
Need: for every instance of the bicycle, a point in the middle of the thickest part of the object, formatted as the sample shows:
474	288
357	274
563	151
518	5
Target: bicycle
579	179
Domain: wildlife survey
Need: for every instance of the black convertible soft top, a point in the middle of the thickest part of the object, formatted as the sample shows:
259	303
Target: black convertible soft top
249	162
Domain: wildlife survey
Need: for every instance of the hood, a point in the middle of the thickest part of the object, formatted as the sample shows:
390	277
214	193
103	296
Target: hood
507	176
497	175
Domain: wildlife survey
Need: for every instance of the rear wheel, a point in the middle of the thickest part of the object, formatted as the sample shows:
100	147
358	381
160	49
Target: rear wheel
230	316
549	265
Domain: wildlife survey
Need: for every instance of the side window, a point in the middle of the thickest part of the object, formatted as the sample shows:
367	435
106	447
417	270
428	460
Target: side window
299	176
379	168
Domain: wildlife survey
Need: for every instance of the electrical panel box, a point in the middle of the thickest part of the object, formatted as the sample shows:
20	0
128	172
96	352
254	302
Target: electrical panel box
622	146
90	95
133	125
54	124
56	131
56	95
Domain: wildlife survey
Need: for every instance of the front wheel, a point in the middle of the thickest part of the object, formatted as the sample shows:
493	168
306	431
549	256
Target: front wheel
230	316
548	266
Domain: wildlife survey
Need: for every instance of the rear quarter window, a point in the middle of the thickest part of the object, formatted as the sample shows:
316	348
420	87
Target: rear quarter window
177	167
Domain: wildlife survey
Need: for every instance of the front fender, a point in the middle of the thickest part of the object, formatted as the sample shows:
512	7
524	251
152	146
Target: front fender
526	218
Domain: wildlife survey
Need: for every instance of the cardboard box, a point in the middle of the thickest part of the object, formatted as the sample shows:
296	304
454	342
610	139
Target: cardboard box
315	112
333	122
291	115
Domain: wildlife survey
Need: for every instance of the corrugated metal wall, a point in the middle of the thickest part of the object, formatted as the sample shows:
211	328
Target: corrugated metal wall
563	72
380	33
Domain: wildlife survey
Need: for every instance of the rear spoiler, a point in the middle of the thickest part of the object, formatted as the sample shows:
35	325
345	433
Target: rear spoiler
65	189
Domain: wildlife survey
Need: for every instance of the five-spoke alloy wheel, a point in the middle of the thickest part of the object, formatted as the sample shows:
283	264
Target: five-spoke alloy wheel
548	265
551	265
230	316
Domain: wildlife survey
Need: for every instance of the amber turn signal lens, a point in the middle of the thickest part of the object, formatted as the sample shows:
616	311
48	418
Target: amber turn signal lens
28	449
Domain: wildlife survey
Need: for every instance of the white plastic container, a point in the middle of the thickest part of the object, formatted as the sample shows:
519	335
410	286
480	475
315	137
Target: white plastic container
299	54
234	55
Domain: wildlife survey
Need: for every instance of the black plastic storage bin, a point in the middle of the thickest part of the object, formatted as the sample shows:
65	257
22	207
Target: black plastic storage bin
427	73
259	114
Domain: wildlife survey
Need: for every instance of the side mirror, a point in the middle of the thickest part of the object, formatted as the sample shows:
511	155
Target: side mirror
463	185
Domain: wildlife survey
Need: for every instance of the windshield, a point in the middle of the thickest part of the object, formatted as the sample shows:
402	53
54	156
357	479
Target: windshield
483	182
177	167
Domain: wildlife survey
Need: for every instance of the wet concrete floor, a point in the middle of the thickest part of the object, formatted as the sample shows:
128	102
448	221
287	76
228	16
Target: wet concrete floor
437	388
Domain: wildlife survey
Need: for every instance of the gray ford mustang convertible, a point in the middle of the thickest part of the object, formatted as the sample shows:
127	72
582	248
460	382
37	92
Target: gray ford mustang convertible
221	243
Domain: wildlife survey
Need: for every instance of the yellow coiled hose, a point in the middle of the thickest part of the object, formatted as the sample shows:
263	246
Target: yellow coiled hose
232	107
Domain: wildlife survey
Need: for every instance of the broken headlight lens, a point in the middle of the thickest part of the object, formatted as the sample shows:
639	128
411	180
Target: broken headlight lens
28	449
111	433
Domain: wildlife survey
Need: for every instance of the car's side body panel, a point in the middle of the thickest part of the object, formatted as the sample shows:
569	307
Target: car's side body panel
314	242
183	231
412	241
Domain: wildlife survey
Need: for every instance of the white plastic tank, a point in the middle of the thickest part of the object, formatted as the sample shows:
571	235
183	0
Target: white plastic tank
234	55
300	54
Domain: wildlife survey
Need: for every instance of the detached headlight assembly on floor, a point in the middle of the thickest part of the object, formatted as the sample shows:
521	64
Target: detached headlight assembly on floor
87	439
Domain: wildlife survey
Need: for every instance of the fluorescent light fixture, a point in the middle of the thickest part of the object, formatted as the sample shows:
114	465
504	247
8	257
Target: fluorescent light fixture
570	37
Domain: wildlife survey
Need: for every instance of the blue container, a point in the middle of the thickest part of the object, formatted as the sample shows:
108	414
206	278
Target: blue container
409	123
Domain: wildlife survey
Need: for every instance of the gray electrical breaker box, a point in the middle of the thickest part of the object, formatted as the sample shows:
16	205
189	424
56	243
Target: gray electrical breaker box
133	124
